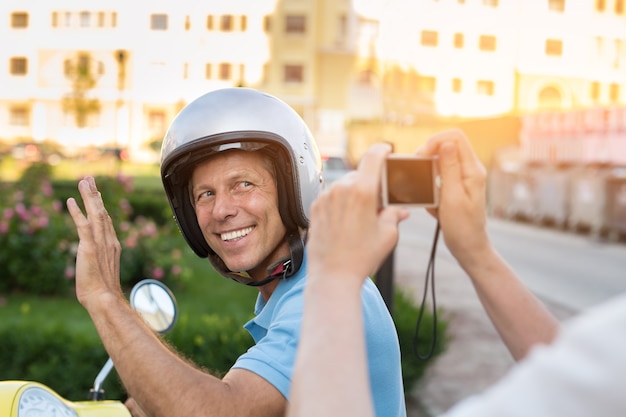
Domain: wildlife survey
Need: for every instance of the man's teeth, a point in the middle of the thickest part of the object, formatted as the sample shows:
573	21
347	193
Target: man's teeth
236	234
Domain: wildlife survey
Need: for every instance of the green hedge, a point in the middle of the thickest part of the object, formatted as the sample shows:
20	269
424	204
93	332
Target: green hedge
68	361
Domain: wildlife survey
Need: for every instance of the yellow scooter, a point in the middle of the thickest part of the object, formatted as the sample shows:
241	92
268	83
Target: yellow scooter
156	305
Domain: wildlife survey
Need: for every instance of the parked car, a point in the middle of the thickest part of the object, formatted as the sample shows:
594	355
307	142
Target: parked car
335	167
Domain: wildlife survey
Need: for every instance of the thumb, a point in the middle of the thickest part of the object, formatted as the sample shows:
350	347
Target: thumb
450	169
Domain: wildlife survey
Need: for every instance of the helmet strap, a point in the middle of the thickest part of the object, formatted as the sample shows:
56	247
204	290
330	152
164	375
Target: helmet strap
286	267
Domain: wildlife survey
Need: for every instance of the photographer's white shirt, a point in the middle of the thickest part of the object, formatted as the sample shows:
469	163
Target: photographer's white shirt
583	373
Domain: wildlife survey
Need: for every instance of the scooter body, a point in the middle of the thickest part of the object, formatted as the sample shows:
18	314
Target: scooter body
32	399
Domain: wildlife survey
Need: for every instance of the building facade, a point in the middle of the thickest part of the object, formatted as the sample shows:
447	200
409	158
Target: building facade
115	73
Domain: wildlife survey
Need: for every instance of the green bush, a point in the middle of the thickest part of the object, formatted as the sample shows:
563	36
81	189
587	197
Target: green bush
35	235
39	239
68	361
405	316
212	342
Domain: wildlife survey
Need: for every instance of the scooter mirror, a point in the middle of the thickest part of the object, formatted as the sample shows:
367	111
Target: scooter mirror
155	303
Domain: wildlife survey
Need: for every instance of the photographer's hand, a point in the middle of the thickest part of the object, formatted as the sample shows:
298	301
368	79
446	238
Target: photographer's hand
348	239
520	318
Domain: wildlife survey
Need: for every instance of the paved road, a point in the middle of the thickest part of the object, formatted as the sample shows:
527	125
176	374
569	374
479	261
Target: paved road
569	272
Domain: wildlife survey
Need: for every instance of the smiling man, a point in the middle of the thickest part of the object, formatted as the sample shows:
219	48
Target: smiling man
240	170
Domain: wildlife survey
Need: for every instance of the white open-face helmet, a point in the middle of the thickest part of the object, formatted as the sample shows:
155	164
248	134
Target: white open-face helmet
247	119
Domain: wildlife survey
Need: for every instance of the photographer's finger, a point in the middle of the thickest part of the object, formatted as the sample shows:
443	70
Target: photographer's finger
451	171
372	162
434	142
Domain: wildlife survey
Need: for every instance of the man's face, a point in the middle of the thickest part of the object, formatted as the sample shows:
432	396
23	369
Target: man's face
236	202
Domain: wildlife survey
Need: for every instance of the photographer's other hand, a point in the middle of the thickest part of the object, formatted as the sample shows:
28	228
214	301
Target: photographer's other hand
520	318
98	256
462	205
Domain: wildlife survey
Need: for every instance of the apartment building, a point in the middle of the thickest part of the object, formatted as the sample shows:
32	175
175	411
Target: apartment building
477	58
116	72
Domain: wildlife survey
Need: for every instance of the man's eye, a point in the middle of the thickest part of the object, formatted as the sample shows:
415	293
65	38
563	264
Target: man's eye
246	183
205	194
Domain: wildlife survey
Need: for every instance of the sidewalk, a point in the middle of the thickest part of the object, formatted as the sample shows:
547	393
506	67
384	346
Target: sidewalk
476	357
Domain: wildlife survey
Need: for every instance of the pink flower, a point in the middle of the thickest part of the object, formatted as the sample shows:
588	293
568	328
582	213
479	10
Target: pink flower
158	273
126	207
46	189
43	222
22	212
130	242
125	226
69	273
176	270
57	206
8	213
126	181
149	229
4	227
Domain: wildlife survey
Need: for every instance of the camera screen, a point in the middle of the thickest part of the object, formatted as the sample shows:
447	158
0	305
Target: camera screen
410	181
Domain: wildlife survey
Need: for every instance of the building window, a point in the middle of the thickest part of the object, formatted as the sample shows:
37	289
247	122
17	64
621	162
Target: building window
267	23
19	116
209	22
67	19
595	91
54	19
225	71
243	23
619	6
208	71
554	47
187	23
158	22
556	5
295	24
156	123
19	66
490	3
487	43
600	5
226	23
101	21
427	84
293	74
19	20
457	85
484	87
614	92
549	98
459	40
113	19
429	38
85	19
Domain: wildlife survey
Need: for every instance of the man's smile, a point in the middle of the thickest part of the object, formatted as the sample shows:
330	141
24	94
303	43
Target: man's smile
235	234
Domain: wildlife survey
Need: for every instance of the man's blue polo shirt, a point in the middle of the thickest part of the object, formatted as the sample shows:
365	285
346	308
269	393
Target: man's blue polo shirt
276	331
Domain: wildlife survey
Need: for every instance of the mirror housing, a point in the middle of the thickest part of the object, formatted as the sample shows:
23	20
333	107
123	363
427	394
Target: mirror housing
155	303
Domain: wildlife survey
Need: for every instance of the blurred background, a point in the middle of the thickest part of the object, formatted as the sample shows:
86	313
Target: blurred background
90	87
